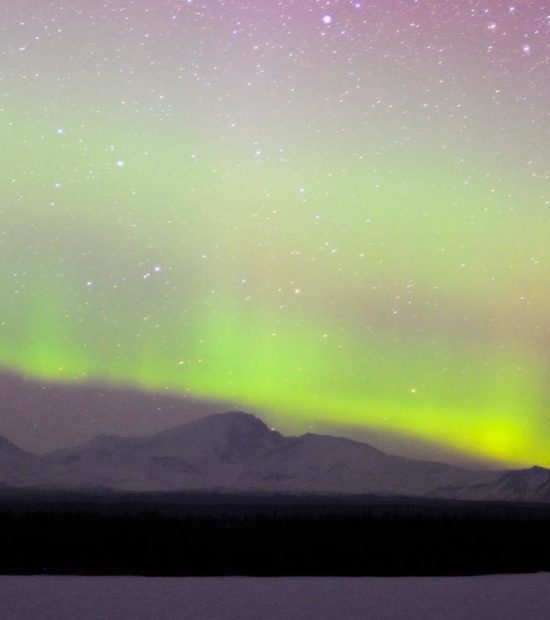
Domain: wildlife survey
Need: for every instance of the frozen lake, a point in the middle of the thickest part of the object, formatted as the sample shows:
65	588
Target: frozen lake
506	597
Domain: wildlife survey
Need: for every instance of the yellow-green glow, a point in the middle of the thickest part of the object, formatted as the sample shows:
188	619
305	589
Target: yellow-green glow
306	221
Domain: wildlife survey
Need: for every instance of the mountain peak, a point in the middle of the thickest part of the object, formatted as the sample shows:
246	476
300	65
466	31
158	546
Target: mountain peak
221	434
240	418
232	422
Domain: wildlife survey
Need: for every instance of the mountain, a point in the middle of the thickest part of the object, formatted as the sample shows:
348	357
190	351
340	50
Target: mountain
523	485
16	465
237	452
220	451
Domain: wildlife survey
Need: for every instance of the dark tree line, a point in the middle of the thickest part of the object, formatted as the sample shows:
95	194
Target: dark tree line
270	540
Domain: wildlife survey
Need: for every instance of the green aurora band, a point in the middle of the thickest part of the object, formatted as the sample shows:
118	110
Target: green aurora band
404	291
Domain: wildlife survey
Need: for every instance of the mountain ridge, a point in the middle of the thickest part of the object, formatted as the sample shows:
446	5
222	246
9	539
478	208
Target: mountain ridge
238	452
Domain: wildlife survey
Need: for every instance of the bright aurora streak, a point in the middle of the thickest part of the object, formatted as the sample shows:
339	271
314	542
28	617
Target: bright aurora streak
333	212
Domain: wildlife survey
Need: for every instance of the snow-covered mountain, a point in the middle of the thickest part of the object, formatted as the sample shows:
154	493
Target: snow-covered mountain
237	452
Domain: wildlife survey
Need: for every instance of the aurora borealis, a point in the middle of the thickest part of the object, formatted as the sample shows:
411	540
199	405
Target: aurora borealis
332	212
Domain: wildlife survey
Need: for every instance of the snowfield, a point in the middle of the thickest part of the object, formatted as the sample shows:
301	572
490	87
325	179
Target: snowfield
502	597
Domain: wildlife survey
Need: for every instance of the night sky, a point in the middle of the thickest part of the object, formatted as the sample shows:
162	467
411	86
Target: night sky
336	213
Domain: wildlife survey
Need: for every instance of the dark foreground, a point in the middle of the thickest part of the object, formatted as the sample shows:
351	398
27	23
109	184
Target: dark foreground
215	535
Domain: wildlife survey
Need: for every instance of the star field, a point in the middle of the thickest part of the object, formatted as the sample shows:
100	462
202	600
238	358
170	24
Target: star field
334	212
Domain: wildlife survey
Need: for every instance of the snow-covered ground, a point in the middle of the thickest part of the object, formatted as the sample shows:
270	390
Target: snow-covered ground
505	597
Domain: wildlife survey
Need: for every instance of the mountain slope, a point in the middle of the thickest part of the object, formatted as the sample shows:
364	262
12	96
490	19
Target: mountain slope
523	485
345	466
17	467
